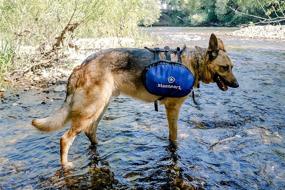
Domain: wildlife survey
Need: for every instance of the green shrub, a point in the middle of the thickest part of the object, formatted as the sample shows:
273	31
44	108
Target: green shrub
40	21
7	53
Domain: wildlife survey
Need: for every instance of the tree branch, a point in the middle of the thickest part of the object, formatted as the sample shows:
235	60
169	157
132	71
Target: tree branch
281	9
263	9
246	14
262	20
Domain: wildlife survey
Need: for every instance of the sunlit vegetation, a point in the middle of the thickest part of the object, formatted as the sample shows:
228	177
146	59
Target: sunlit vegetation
224	12
50	25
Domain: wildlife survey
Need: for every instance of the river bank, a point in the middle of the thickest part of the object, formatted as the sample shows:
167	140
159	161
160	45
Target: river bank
262	32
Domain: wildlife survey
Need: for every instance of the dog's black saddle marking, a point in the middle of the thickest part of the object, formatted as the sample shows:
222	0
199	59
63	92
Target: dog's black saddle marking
167	52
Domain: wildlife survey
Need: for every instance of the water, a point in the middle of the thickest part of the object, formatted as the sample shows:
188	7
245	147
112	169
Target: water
231	140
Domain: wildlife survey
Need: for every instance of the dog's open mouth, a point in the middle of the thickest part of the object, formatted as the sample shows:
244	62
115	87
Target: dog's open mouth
220	82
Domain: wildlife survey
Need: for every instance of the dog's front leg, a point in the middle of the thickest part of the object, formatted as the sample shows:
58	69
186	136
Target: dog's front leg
172	106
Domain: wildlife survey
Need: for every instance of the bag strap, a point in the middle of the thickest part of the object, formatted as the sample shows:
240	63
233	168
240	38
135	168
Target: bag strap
156	52
179	53
167	53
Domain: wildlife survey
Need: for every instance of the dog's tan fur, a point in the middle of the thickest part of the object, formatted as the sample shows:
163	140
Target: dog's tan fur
114	71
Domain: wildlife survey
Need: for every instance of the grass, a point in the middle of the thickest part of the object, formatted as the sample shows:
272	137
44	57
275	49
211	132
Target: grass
7	53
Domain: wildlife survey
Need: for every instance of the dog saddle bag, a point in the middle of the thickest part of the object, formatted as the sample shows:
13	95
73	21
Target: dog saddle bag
168	79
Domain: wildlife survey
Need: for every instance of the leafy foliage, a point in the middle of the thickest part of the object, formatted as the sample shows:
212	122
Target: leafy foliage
36	21
50	24
228	12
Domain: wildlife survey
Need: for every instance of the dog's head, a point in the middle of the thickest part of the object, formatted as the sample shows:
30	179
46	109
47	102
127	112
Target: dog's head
219	65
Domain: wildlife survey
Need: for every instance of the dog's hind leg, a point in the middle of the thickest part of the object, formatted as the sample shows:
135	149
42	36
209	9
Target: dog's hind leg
91	131
88	106
66	141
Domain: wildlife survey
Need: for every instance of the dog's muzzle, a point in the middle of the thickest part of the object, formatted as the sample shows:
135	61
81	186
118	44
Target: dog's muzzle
223	84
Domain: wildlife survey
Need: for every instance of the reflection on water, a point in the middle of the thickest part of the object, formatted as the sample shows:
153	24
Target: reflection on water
231	140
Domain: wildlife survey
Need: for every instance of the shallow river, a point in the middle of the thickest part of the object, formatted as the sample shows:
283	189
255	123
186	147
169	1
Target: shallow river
231	140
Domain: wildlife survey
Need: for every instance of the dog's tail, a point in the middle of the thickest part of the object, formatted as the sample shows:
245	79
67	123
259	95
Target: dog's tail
55	121
60	117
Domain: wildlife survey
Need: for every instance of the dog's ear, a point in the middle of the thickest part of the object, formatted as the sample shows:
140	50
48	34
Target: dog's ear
213	43
213	48
221	45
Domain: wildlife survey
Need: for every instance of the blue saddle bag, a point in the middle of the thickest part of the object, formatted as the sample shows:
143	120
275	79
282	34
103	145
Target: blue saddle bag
168	79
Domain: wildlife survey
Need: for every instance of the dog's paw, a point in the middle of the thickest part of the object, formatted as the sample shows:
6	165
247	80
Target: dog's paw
67	166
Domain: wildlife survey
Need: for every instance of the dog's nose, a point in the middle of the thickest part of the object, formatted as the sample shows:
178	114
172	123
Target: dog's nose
235	84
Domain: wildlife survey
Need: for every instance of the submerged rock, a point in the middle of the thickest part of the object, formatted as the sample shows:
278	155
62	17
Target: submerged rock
59	88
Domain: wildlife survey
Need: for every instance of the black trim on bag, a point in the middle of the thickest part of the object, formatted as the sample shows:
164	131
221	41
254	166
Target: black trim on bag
161	62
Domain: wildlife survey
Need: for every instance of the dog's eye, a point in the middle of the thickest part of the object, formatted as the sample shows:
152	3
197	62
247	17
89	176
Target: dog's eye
225	68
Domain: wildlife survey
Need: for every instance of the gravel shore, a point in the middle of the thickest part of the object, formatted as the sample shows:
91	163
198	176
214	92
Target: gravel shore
268	32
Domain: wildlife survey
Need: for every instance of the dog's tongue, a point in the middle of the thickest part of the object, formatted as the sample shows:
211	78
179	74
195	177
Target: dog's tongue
222	85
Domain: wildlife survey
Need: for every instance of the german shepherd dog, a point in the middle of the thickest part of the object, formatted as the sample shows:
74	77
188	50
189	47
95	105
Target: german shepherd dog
111	72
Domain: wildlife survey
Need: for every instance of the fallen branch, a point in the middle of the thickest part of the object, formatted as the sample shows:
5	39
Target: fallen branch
43	64
68	28
271	21
219	142
51	56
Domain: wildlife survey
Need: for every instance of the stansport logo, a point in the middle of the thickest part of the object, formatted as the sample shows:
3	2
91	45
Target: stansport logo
171	79
168	86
